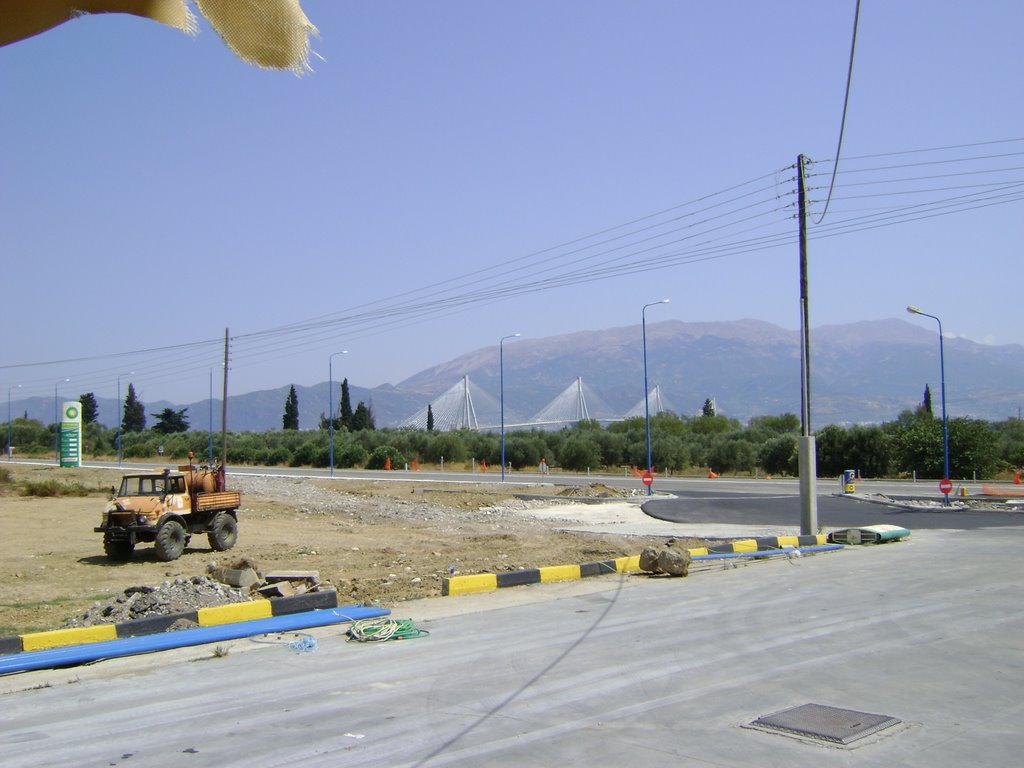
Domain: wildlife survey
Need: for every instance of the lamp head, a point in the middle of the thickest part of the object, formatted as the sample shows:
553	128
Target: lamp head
914	310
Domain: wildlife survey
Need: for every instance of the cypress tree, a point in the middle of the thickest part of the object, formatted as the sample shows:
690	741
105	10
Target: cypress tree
134	417
290	420
90	410
362	417
346	406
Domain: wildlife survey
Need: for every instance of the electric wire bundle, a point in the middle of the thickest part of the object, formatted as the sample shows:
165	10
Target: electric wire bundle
383	628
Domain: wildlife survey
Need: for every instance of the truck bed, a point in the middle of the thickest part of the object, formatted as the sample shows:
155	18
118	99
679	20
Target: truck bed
207	502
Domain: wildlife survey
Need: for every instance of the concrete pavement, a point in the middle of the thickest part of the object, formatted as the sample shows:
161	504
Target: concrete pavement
628	669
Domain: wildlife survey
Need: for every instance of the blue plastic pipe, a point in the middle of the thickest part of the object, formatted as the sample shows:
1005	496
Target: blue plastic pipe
129	646
767	552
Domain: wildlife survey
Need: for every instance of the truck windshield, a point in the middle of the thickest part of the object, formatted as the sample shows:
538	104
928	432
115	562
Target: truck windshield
142	486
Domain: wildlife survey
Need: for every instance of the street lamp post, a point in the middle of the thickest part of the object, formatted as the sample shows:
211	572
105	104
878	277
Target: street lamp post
120	411
942	383
501	395
56	421
13	386
647	409
330	406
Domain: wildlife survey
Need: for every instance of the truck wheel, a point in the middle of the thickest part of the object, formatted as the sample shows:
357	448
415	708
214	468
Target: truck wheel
118	549
170	541
223	531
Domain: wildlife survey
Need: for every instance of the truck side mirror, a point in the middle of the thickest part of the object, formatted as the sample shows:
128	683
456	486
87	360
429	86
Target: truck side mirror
113	492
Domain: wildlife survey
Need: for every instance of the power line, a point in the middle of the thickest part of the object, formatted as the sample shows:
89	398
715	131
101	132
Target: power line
750	218
846	103
921	150
501	270
111	355
944	161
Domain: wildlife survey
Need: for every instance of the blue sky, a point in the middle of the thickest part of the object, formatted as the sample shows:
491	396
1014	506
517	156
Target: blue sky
401	200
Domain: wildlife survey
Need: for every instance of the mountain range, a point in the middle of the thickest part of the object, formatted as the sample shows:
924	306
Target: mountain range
866	372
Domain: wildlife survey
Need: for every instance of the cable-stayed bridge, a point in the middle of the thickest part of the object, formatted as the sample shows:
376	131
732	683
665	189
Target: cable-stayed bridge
456	409
656	403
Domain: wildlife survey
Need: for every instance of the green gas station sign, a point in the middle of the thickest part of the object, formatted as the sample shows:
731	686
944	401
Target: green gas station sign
71	435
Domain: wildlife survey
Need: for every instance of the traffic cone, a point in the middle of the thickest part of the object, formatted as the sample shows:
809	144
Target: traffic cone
387	462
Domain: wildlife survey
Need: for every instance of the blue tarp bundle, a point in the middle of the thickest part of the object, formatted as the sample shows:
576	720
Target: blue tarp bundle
129	646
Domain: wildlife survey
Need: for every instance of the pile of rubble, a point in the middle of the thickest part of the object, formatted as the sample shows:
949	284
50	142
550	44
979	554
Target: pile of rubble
246	575
595	491
179	596
237	582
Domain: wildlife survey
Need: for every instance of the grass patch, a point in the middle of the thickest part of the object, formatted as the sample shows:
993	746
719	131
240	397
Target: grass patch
72	604
59	601
53	489
19	631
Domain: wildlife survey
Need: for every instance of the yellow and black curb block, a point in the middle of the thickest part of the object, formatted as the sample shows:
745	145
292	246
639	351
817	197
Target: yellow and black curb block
204	617
485	582
761	544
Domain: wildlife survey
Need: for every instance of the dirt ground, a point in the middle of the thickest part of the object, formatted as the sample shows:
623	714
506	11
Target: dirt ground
374	542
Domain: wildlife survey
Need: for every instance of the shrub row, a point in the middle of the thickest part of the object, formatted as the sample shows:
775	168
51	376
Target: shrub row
913	443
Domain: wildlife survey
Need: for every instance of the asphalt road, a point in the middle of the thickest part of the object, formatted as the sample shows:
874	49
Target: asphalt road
834	511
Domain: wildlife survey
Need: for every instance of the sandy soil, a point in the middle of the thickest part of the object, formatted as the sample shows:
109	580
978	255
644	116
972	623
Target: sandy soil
375	542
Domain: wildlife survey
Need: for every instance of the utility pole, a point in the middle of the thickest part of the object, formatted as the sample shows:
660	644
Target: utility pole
224	409
807	458
805	335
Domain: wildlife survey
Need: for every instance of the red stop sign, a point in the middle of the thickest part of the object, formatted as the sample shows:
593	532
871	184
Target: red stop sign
648	478
945	485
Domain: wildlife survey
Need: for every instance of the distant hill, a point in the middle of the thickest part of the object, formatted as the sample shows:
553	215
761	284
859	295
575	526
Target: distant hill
860	372
864	372
252	411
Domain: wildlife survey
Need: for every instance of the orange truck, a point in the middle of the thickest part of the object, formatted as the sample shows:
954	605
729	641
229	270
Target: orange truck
165	508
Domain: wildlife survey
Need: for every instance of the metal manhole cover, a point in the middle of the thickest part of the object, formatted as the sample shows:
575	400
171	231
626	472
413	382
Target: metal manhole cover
833	724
